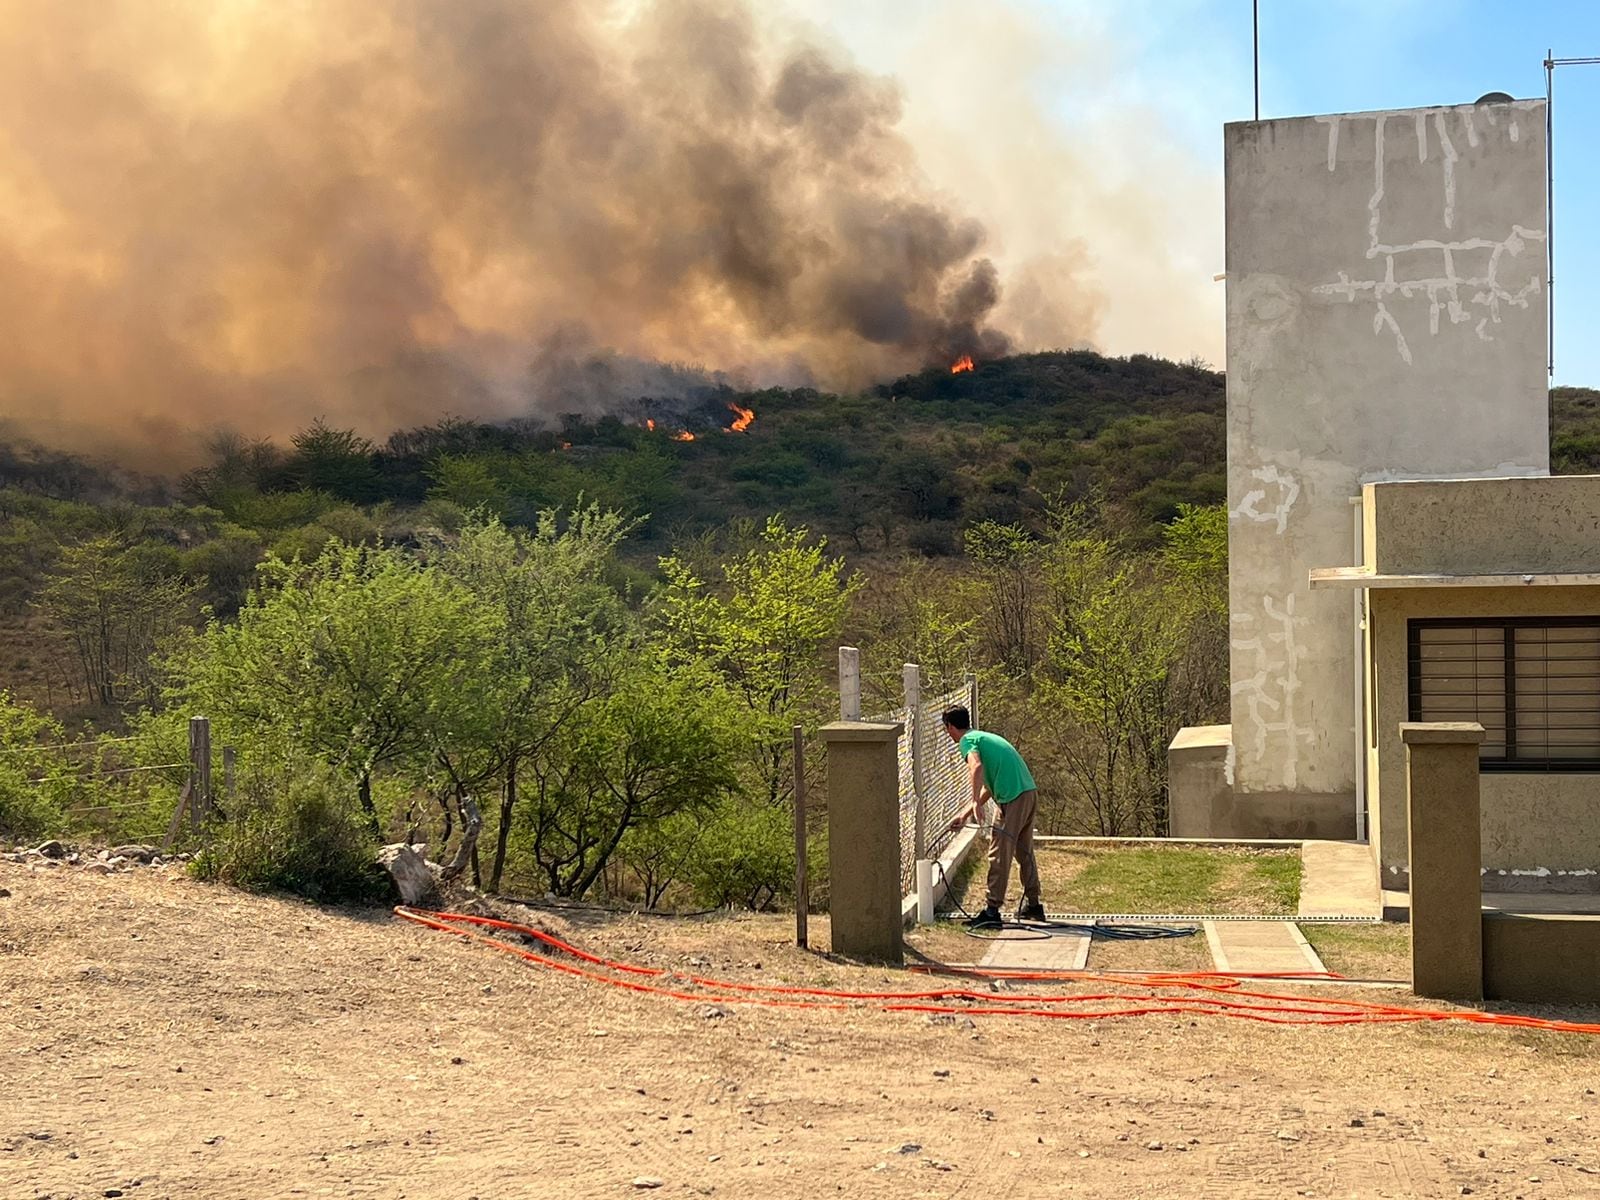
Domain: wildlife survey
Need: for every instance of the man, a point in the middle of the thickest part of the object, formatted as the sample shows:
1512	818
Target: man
997	772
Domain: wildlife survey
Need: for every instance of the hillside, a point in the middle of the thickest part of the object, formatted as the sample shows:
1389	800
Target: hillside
906	465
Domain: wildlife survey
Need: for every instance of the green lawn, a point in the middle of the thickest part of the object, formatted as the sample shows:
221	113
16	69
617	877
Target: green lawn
1079	878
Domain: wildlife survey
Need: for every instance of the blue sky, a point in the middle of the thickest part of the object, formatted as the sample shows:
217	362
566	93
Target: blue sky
1363	54
1137	91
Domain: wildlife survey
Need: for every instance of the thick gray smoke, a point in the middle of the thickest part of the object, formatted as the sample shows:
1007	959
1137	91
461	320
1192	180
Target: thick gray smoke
230	212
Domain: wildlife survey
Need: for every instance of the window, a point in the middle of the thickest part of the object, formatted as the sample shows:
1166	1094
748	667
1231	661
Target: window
1532	683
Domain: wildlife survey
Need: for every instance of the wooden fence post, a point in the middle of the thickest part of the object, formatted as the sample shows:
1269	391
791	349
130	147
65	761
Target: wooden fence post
199	770
802	891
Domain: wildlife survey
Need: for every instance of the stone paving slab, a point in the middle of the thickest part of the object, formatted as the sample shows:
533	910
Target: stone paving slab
1060	952
1339	879
1260	947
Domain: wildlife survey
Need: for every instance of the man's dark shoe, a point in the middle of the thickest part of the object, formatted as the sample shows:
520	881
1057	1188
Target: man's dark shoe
989	918
1032	910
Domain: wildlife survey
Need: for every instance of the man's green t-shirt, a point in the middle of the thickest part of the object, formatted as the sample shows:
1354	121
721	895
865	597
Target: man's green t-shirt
1004	772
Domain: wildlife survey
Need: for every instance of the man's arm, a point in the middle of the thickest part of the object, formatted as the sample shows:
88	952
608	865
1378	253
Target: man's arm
980	792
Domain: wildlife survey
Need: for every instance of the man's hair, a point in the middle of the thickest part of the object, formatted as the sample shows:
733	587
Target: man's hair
958	718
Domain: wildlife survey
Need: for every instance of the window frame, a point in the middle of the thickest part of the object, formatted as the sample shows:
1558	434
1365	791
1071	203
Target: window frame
1509	625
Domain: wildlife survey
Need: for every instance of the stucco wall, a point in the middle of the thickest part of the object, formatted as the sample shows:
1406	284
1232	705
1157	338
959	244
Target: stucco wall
1540	830
1484	526
1385	319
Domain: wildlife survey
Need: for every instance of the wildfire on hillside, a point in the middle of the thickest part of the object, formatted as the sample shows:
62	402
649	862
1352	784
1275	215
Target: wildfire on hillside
649	423
742	421
964	363
683	435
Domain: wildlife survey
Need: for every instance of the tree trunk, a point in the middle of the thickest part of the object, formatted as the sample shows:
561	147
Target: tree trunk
367	806
471	823
508	803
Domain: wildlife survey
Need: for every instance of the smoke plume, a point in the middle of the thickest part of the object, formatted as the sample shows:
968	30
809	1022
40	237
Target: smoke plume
229	212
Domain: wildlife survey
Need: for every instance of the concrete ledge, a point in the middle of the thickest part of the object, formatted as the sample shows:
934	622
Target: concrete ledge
1572	882
1247	843
862	731
1202	737
1442	733
1543	958
1322	578
1199	783
951	859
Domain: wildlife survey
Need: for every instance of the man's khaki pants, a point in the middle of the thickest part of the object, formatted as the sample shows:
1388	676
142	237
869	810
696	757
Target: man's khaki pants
1013	835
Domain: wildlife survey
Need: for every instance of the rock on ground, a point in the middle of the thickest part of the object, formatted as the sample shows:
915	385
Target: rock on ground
413	876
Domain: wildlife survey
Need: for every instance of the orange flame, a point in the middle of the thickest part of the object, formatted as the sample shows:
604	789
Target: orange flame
683	435
742	421
649	423
964	363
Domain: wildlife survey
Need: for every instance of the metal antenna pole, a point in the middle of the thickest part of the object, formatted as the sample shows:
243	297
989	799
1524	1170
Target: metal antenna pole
1255	41
1550	207
1550	65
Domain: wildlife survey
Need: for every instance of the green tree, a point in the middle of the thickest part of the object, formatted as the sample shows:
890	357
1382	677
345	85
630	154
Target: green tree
467	481
657	746
761	629
336	461
547	590
33	780
1006	559
1117	624
912	612
114	604
364	658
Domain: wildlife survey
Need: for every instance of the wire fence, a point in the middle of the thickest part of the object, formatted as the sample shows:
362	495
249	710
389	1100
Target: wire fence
933	780
101	782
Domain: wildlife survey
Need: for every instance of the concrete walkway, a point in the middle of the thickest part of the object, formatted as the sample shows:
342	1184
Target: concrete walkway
1266	947
1059	952
1339	879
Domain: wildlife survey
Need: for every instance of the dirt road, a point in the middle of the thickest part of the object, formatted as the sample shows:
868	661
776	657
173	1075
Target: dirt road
160	1038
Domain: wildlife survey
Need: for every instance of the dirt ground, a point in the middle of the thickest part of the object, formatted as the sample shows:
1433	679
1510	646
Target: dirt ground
162	1038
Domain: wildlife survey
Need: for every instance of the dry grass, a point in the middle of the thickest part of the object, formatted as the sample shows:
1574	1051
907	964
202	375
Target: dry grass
1363	951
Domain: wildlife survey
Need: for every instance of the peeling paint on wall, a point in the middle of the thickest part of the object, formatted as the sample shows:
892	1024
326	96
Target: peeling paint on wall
1286	488
1465	293
1269	691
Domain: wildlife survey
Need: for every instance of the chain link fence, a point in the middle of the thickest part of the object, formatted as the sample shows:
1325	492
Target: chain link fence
933	779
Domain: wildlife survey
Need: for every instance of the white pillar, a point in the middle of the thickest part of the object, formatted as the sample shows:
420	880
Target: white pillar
925	891
849	683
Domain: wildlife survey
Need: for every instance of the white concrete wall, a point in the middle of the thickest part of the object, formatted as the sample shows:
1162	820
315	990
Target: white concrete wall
1386	320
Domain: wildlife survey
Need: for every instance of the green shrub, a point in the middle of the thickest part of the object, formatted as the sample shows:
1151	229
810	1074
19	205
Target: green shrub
32	781
744	856
301	833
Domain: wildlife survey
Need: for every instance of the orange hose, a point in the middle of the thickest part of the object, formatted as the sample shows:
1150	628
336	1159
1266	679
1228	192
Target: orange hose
1275	1009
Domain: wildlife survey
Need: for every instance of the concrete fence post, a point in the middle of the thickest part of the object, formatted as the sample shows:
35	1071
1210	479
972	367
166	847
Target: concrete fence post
911	677
849	683
1446	852
864	840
